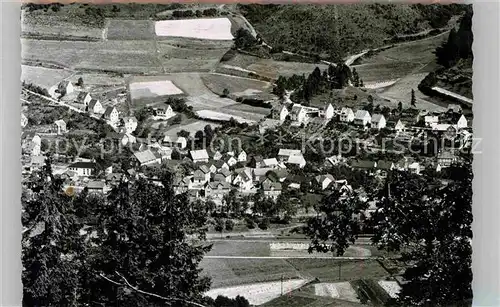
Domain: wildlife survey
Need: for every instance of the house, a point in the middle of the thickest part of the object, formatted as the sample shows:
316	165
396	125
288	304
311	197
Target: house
378	121
298	113
226	174
212	167
122	138
297	160
146	157
400	126
217	189
327	112
462	122
164	113
201	175
182	185
114	178
285	154
60	126
24	120
230	160
324	181
362	118
257	161
259	174
65	87
343	187
164	153
270	163
451	132
414	168
363	164
243	179
200	155
217	155
175	142
95	107
96	186
334	160
31	143
111	114
221	164
454	108
83	169
130	123
431	120
446	158
346	115
83	98
383	167
279	113
37	162
242	156
271	189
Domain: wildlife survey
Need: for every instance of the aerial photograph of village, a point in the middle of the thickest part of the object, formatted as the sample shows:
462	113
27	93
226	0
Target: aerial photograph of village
236	155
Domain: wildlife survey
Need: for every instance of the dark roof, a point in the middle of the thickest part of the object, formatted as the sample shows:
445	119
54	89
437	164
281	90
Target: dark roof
362	164
92	103
108	111
83	165
82	95
225	172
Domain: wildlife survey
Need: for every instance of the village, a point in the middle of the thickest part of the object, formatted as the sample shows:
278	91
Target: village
212	172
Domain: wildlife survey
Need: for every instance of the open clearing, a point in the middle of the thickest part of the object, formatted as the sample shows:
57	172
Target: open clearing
207	28
43	77
341	290
258	294
153	89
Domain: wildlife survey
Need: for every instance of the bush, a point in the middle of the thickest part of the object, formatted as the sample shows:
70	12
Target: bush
264	224
250	223
219	224
229	225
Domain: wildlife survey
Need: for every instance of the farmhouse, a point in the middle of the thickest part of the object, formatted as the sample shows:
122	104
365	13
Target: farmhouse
83	169
199	155
130	123
111	114
83	98
362	118
396	125
346	115
298	113
146	157
95	107
378	121
60	126
279	113
24	120
164	112
65	87
271	163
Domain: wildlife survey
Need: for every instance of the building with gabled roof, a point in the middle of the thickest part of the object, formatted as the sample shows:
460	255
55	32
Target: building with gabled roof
200	155
378	121
362	118
346	115
95	107
146	157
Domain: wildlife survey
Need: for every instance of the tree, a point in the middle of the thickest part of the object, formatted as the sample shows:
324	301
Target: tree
413	98
229	225
53	251
400	107
144	253
225	93
79	82
183	133
244	39
335	228
219	224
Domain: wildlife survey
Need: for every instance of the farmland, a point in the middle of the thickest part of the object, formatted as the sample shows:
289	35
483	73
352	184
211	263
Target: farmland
119	29
153	89
207	28
44	77
237	86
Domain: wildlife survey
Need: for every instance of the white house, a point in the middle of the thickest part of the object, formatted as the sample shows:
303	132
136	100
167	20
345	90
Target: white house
230	160
111	114
298	114
324	180
243	179
285	154
280	113
400	126
217	155
431	120
130	123
462	122
328	112
201	175
297	160
362	118
164	112
95	107
378	121
346	115
242	156
83	98
199	155
24	120
65	87
217	189
83	169
177	142
37	162
147	157
271	162
271	189
60	126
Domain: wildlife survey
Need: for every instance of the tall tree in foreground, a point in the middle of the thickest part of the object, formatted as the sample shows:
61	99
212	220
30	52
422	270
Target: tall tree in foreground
148	247
413	98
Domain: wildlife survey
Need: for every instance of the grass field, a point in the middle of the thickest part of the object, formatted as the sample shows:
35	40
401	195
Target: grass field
44	77
237	86
237	248
120	29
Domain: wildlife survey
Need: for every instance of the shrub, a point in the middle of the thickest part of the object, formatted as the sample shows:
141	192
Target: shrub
219	224
250	223
264	224
229	225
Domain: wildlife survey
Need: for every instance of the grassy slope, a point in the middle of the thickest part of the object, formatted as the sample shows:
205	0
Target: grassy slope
336	28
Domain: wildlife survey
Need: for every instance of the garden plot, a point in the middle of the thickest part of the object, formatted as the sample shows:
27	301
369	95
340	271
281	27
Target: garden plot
147	89
207	28
341	290
43	77
391	287
258	294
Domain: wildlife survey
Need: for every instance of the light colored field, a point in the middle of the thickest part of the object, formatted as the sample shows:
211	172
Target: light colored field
341	290
258	294
153	89
237	86
207	28
250	109
191	127
215	115
391	287
230	272
44	77
120	29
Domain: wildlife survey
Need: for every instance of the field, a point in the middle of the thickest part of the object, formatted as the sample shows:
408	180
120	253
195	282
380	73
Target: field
223	115
391	287
153	89
207	28
43	77
120	29
238	86
341	290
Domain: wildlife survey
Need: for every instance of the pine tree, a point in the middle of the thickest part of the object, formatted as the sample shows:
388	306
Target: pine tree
413	98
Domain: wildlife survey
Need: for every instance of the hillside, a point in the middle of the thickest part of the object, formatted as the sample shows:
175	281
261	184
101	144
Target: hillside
333	31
